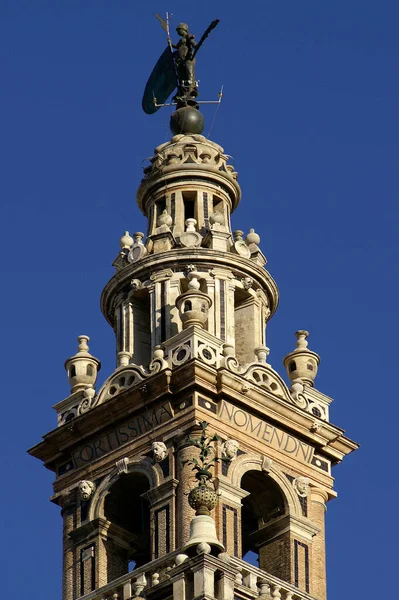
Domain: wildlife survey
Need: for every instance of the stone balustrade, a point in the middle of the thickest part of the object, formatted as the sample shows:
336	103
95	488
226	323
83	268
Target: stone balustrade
222	578
258	581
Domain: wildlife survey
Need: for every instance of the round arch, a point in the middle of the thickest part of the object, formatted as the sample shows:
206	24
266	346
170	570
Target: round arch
253	462
141	465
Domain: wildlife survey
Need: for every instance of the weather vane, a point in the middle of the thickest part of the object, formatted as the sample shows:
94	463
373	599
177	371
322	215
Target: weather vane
175	70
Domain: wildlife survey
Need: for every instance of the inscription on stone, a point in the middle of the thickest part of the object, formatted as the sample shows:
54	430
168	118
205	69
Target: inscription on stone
123	434
272	436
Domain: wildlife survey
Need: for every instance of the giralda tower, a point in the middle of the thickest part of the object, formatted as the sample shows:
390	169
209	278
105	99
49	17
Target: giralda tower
190	304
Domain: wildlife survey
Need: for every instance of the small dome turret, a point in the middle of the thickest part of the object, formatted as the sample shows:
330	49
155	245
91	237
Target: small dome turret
82	368
302	363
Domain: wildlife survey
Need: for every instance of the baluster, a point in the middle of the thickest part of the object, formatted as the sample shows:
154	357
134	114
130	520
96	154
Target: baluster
289	595
251	581
139	585
127	591
264	589
276	592
239	578
155	578
115	596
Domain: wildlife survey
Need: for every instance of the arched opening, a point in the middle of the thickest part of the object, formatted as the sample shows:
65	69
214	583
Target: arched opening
260	509
127	508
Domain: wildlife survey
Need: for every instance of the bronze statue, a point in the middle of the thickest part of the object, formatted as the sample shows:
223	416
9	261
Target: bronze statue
184	60
175	69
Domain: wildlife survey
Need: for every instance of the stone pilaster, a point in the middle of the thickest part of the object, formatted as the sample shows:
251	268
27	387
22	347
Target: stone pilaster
318	498
68	512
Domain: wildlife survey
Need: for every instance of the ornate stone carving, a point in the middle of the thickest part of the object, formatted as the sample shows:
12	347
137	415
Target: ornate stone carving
315	427
296	390
138	250
230	449
86	489
247	283
191	238
161	275
130	376
195	149
266	464
239	246
301	486
122	465
159	451
136	285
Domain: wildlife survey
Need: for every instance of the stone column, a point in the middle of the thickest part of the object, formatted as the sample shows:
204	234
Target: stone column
318	498
68	513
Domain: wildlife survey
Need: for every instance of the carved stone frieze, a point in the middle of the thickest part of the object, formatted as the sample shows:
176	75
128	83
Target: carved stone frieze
186	149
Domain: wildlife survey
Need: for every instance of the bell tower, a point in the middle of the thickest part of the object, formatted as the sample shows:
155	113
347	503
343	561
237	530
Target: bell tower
194	470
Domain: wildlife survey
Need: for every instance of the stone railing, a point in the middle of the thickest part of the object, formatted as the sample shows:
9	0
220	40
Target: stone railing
133	583
252	579
241	581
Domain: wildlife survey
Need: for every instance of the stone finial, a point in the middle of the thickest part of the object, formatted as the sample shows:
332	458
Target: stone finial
126	241
262	352
86	489
193	278
252	238
159	451
82	368
164	219
302	363
216	218
230	449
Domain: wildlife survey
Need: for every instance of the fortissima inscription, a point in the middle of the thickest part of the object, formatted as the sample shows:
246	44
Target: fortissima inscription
274	437
126	432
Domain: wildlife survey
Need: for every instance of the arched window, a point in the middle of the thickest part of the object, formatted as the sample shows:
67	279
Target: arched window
129	539
187	306
264	505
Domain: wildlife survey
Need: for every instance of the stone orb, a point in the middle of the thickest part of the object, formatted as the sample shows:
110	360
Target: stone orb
187	120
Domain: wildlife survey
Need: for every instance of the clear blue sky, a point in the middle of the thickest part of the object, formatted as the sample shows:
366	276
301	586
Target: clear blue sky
310	115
